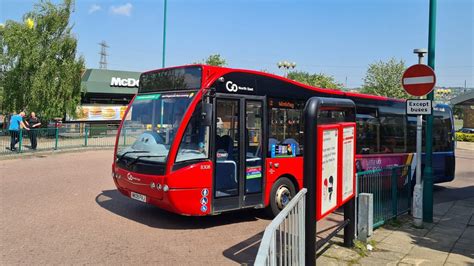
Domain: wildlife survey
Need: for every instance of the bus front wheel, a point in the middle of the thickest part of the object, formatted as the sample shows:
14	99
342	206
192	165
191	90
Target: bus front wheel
283	190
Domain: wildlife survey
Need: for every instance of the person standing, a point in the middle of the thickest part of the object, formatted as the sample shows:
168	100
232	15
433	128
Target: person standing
34	123
16	124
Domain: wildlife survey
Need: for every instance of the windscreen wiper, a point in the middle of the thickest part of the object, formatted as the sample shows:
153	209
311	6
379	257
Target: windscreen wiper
127	152
143	156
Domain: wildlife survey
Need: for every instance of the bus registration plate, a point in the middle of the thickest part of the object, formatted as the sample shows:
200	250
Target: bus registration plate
137	196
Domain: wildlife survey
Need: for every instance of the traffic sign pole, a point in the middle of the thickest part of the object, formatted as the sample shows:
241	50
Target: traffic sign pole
419	80
418	190
428	173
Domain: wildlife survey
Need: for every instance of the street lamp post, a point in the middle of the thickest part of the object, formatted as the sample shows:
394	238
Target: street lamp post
286	66
428	173
164	34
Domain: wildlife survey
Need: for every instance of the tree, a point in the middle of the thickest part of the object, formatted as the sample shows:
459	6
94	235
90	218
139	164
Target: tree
2	66
385	79
41	70
213	60
316	80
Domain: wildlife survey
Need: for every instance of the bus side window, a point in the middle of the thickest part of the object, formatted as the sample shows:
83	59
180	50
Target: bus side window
393	133
368	131
411	133
442	140
286	123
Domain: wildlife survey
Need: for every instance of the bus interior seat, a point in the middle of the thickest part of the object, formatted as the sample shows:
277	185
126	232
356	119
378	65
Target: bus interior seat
226	181
292	141
271	141
226	167
225	143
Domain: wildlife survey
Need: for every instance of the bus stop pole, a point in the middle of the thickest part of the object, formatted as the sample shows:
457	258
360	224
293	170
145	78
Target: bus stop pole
309	178
349	229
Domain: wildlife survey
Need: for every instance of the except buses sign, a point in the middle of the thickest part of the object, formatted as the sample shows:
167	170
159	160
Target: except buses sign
419	80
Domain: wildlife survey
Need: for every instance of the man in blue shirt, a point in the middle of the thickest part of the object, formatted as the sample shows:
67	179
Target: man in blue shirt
16	124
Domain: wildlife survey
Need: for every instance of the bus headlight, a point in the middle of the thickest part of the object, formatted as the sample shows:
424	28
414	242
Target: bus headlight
166	188
152	185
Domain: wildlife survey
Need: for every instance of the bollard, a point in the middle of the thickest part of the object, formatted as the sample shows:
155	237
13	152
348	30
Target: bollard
56	134
365	216
86	133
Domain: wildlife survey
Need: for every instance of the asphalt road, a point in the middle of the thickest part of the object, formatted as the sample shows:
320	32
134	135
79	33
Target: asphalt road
64	209
462	186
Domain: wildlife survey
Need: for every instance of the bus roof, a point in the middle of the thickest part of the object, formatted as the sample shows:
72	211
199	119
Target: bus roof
214	72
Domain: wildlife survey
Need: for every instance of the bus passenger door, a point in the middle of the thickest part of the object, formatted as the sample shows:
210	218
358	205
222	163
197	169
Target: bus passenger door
238	152
253	168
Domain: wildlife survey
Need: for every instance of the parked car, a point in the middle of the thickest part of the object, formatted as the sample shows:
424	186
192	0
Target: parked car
466	130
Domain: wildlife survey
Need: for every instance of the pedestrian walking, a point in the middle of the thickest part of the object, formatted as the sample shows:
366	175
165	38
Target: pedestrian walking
16	124
34	124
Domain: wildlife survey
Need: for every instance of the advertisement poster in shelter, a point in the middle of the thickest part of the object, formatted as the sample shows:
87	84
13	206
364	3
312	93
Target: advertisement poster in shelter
348	173
329	171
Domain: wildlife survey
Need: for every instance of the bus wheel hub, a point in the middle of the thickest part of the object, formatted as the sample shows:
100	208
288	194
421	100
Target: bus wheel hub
283	196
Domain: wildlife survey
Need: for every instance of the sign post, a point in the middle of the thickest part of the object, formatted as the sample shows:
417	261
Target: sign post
418	80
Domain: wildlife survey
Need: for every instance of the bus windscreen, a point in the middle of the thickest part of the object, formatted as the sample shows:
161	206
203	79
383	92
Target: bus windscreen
151	124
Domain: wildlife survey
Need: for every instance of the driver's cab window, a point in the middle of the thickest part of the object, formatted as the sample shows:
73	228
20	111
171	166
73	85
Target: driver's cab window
195	141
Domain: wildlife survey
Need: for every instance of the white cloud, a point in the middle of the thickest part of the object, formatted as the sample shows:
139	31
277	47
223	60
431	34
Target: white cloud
94	8
125	10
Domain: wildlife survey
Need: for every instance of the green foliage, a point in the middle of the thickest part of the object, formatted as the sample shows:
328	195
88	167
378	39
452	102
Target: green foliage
39	63
361	248
385	79
315	80
213	60
458	112
468	137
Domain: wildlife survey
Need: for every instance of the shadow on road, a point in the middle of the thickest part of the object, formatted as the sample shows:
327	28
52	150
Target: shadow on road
115	202
446	194
246	251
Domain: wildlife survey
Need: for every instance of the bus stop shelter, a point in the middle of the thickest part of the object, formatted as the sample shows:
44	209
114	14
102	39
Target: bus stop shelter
466	103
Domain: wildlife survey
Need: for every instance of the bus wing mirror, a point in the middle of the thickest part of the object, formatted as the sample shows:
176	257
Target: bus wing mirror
206	114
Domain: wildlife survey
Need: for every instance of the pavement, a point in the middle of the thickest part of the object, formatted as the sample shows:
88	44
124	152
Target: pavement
465	145
449	240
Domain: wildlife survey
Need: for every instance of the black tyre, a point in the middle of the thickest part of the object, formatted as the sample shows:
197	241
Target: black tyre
283	190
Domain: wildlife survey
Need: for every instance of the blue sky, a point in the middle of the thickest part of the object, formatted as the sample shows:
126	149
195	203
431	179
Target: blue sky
335	37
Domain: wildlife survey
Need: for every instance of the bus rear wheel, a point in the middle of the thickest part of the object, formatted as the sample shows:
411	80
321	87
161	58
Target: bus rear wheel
283	190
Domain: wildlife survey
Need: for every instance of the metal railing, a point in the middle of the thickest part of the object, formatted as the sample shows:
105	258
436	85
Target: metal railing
283	242
57	139
391	189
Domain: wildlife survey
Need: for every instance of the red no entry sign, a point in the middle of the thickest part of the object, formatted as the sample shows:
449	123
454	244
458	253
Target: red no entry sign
418	80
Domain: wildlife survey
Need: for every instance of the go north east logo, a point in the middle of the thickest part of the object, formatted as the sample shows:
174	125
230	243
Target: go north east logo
232	87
